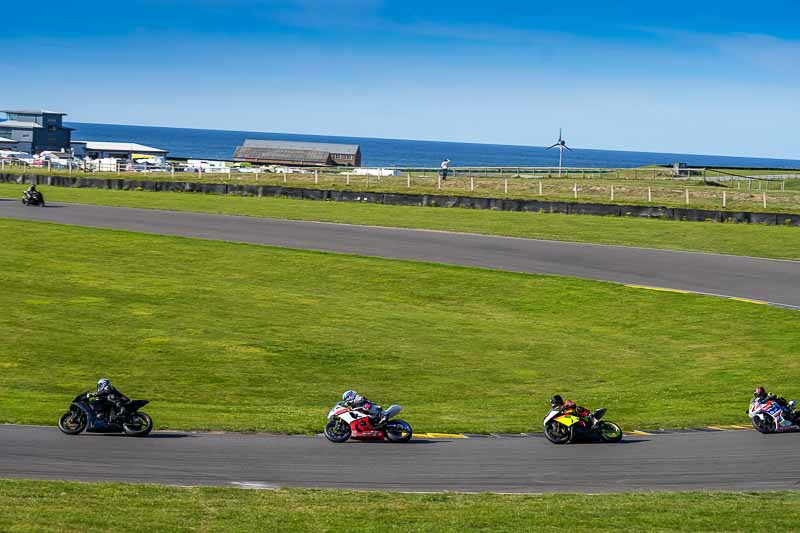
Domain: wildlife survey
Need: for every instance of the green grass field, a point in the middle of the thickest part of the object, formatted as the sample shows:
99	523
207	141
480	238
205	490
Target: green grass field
228	336
741	239
69	506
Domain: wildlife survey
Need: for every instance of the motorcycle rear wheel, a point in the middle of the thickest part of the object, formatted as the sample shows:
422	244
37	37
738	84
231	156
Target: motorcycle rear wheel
398	431
337	431
138	425
557	433
72	423
609	432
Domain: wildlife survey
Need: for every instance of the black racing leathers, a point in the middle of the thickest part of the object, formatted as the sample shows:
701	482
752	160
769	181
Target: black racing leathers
112	401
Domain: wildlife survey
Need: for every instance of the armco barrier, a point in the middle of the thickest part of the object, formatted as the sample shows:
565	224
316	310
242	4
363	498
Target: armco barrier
422	200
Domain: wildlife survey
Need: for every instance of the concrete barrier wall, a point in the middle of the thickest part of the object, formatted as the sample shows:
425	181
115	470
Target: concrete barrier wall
422	200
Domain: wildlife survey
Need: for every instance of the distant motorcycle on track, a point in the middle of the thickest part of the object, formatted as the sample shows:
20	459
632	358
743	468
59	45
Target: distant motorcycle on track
768	416
34	197
85	415
561	428
345	423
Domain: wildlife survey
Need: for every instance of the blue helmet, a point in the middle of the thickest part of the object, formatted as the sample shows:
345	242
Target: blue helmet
102	384
349	396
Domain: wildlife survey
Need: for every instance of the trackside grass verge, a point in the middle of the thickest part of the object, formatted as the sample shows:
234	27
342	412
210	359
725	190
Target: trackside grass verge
742	239
71	506
241	337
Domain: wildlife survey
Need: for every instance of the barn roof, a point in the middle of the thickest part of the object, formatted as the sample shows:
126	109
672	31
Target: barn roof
351	149
251	153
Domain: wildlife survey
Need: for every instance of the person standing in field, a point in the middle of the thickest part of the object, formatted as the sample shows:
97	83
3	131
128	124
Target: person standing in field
445	169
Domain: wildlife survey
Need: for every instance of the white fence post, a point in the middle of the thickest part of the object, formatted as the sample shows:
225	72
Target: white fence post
256	175
316	177
687	196
408	179
575	191
612	193
540	186
284	176
471	183
783	185
764	199
724	198
505	185
347	181
649	195
172	171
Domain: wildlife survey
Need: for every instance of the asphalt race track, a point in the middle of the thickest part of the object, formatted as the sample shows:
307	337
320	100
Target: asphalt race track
730	460
773	281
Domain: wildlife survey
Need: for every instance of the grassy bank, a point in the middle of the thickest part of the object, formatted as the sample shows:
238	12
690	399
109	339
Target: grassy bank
652	186
62	506
228	336
742	239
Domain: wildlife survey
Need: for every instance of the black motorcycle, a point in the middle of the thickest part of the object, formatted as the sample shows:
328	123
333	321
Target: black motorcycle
33	198
85	414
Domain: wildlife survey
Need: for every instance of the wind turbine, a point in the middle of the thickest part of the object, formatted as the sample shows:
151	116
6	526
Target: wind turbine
561	145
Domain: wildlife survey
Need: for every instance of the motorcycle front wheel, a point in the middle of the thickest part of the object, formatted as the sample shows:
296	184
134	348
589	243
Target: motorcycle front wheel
609	432
398	431
72	423
764	424
557	433
138	425
337	431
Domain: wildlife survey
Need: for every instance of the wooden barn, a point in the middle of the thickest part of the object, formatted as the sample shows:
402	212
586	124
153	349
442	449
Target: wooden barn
309	154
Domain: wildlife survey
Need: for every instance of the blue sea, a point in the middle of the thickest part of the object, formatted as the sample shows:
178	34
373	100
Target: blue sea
220	144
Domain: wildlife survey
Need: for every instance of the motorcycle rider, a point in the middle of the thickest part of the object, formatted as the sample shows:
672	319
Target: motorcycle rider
760	393
111	401
569	407
31	193
354	400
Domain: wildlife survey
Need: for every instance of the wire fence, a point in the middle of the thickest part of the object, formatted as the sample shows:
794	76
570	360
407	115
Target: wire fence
657	186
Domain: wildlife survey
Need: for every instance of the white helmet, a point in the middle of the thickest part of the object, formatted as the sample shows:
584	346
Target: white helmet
102	384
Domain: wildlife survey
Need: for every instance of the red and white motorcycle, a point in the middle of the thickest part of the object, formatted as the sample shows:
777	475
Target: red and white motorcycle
768	416
345	423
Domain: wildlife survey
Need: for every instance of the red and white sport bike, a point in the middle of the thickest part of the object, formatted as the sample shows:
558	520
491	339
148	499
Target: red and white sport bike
345	423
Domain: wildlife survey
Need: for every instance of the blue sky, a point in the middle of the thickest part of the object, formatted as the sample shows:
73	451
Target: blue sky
697	77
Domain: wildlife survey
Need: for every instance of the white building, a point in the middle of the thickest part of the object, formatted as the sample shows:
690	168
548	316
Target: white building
116	150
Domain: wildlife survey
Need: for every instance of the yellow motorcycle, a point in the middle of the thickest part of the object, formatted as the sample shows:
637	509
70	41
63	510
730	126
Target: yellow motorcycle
561	428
